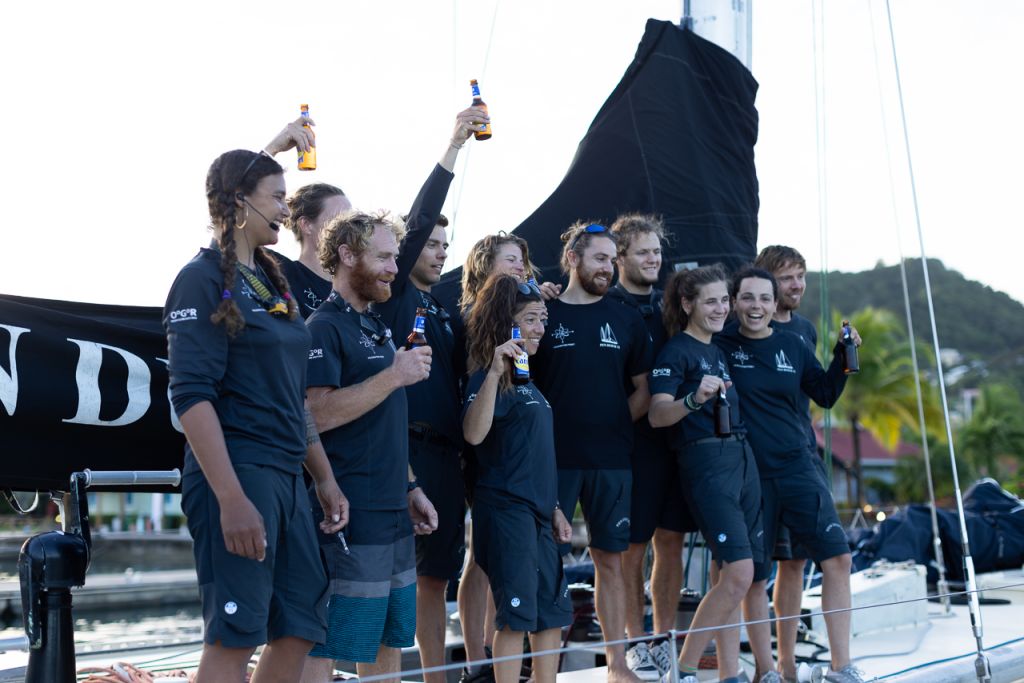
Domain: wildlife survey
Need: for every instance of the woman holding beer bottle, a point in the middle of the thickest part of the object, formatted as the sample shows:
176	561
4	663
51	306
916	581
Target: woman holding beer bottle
237	365
516	520
717	469
772	370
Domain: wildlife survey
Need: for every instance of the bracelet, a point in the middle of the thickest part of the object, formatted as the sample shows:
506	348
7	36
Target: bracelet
691	403
412	486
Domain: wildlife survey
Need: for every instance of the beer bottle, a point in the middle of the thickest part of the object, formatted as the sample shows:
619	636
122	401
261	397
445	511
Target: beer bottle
418	336
723	424
851	362
307	160
484	134
521	365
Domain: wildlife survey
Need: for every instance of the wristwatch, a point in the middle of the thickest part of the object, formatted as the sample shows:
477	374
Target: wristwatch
413	485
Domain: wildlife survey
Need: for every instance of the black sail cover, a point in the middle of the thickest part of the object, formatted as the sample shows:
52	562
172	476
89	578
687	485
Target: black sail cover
85	385
675	138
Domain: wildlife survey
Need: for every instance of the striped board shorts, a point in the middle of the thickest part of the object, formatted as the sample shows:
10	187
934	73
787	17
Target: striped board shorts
372	586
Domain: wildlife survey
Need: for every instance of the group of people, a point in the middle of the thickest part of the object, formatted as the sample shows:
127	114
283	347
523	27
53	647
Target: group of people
330	460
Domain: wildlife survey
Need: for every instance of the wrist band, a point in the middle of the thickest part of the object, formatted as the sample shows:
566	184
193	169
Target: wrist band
691	403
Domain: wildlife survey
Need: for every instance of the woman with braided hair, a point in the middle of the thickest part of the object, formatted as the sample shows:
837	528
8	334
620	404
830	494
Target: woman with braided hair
237	364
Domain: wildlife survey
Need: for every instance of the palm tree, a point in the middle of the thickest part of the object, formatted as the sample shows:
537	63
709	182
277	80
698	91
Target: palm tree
995	430
881	398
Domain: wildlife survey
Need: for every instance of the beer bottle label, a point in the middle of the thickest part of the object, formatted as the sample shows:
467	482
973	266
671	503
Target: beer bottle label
420	325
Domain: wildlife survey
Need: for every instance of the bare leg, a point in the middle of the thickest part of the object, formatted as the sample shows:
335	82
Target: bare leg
281	659
610	599
508	643
490	617
473	596
219	663
727	640
317	670
633	580
430	626
716	608
789	590
666	578
755	608
545	669
389	661
835	594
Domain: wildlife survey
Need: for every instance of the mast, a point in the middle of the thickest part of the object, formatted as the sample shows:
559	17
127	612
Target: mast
726	23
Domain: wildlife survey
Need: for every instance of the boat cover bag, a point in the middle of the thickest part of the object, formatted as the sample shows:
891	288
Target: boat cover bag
675	138
995	527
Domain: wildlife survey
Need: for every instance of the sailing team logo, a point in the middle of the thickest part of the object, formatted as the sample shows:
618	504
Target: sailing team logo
782	363
562	333
705	366
608	339
742	358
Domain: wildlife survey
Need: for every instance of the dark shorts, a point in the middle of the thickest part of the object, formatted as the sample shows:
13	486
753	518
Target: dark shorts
470	472
723	489
802	502
656	500
604	497
439	473
784	548
519	555
372	586
247	603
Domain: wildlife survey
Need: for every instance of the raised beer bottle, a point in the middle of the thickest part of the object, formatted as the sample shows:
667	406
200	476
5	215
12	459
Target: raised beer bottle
723	424
851	361
521	364
307	160
418	336
484	134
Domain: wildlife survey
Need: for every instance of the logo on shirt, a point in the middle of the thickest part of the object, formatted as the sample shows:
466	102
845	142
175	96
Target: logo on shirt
316	354
723	371
365	341
183	314
661	372
608	339
705	366
470	399
741	357
561	333
312	300
782	363
528	393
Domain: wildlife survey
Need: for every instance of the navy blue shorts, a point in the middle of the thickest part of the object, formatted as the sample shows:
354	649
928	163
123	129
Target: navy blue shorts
604	497
439	472
372	586
723	489
656	500
247	603
802	502
518	553
784	547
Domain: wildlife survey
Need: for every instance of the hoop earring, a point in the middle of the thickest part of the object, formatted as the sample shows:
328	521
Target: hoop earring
244	221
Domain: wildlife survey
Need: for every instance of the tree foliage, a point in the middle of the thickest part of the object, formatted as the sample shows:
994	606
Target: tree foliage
995	433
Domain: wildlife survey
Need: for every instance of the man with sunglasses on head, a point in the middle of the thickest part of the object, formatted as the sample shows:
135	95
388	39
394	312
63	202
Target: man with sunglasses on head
657	512
592	366
434	425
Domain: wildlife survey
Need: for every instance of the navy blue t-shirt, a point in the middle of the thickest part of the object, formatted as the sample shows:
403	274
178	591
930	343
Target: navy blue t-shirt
803	328
255	380
679	369
370	455
586	358
309	289
771	375
436	400
517	457
648	442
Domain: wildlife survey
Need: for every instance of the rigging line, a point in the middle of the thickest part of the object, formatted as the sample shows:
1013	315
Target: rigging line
469	148
981	664
943	584
820	149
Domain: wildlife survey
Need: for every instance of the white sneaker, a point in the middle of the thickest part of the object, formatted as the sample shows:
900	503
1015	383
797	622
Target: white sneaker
661	653
770	677
683	678
848	674
639	661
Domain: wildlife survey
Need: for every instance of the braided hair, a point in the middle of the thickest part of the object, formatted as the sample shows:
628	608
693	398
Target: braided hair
238	171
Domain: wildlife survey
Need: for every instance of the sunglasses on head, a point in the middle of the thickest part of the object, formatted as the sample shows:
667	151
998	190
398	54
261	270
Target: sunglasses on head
374	328
529	288
592	229
263	153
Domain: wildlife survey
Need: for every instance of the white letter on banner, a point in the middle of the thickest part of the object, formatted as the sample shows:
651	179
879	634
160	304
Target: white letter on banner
174	416
9	383
87	375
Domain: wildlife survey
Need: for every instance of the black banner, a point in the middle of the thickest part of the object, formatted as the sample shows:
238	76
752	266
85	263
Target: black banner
82	386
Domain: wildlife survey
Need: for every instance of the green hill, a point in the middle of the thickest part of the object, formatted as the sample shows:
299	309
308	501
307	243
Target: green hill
985	326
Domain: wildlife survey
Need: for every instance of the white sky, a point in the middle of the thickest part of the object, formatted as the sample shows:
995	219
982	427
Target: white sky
114	110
